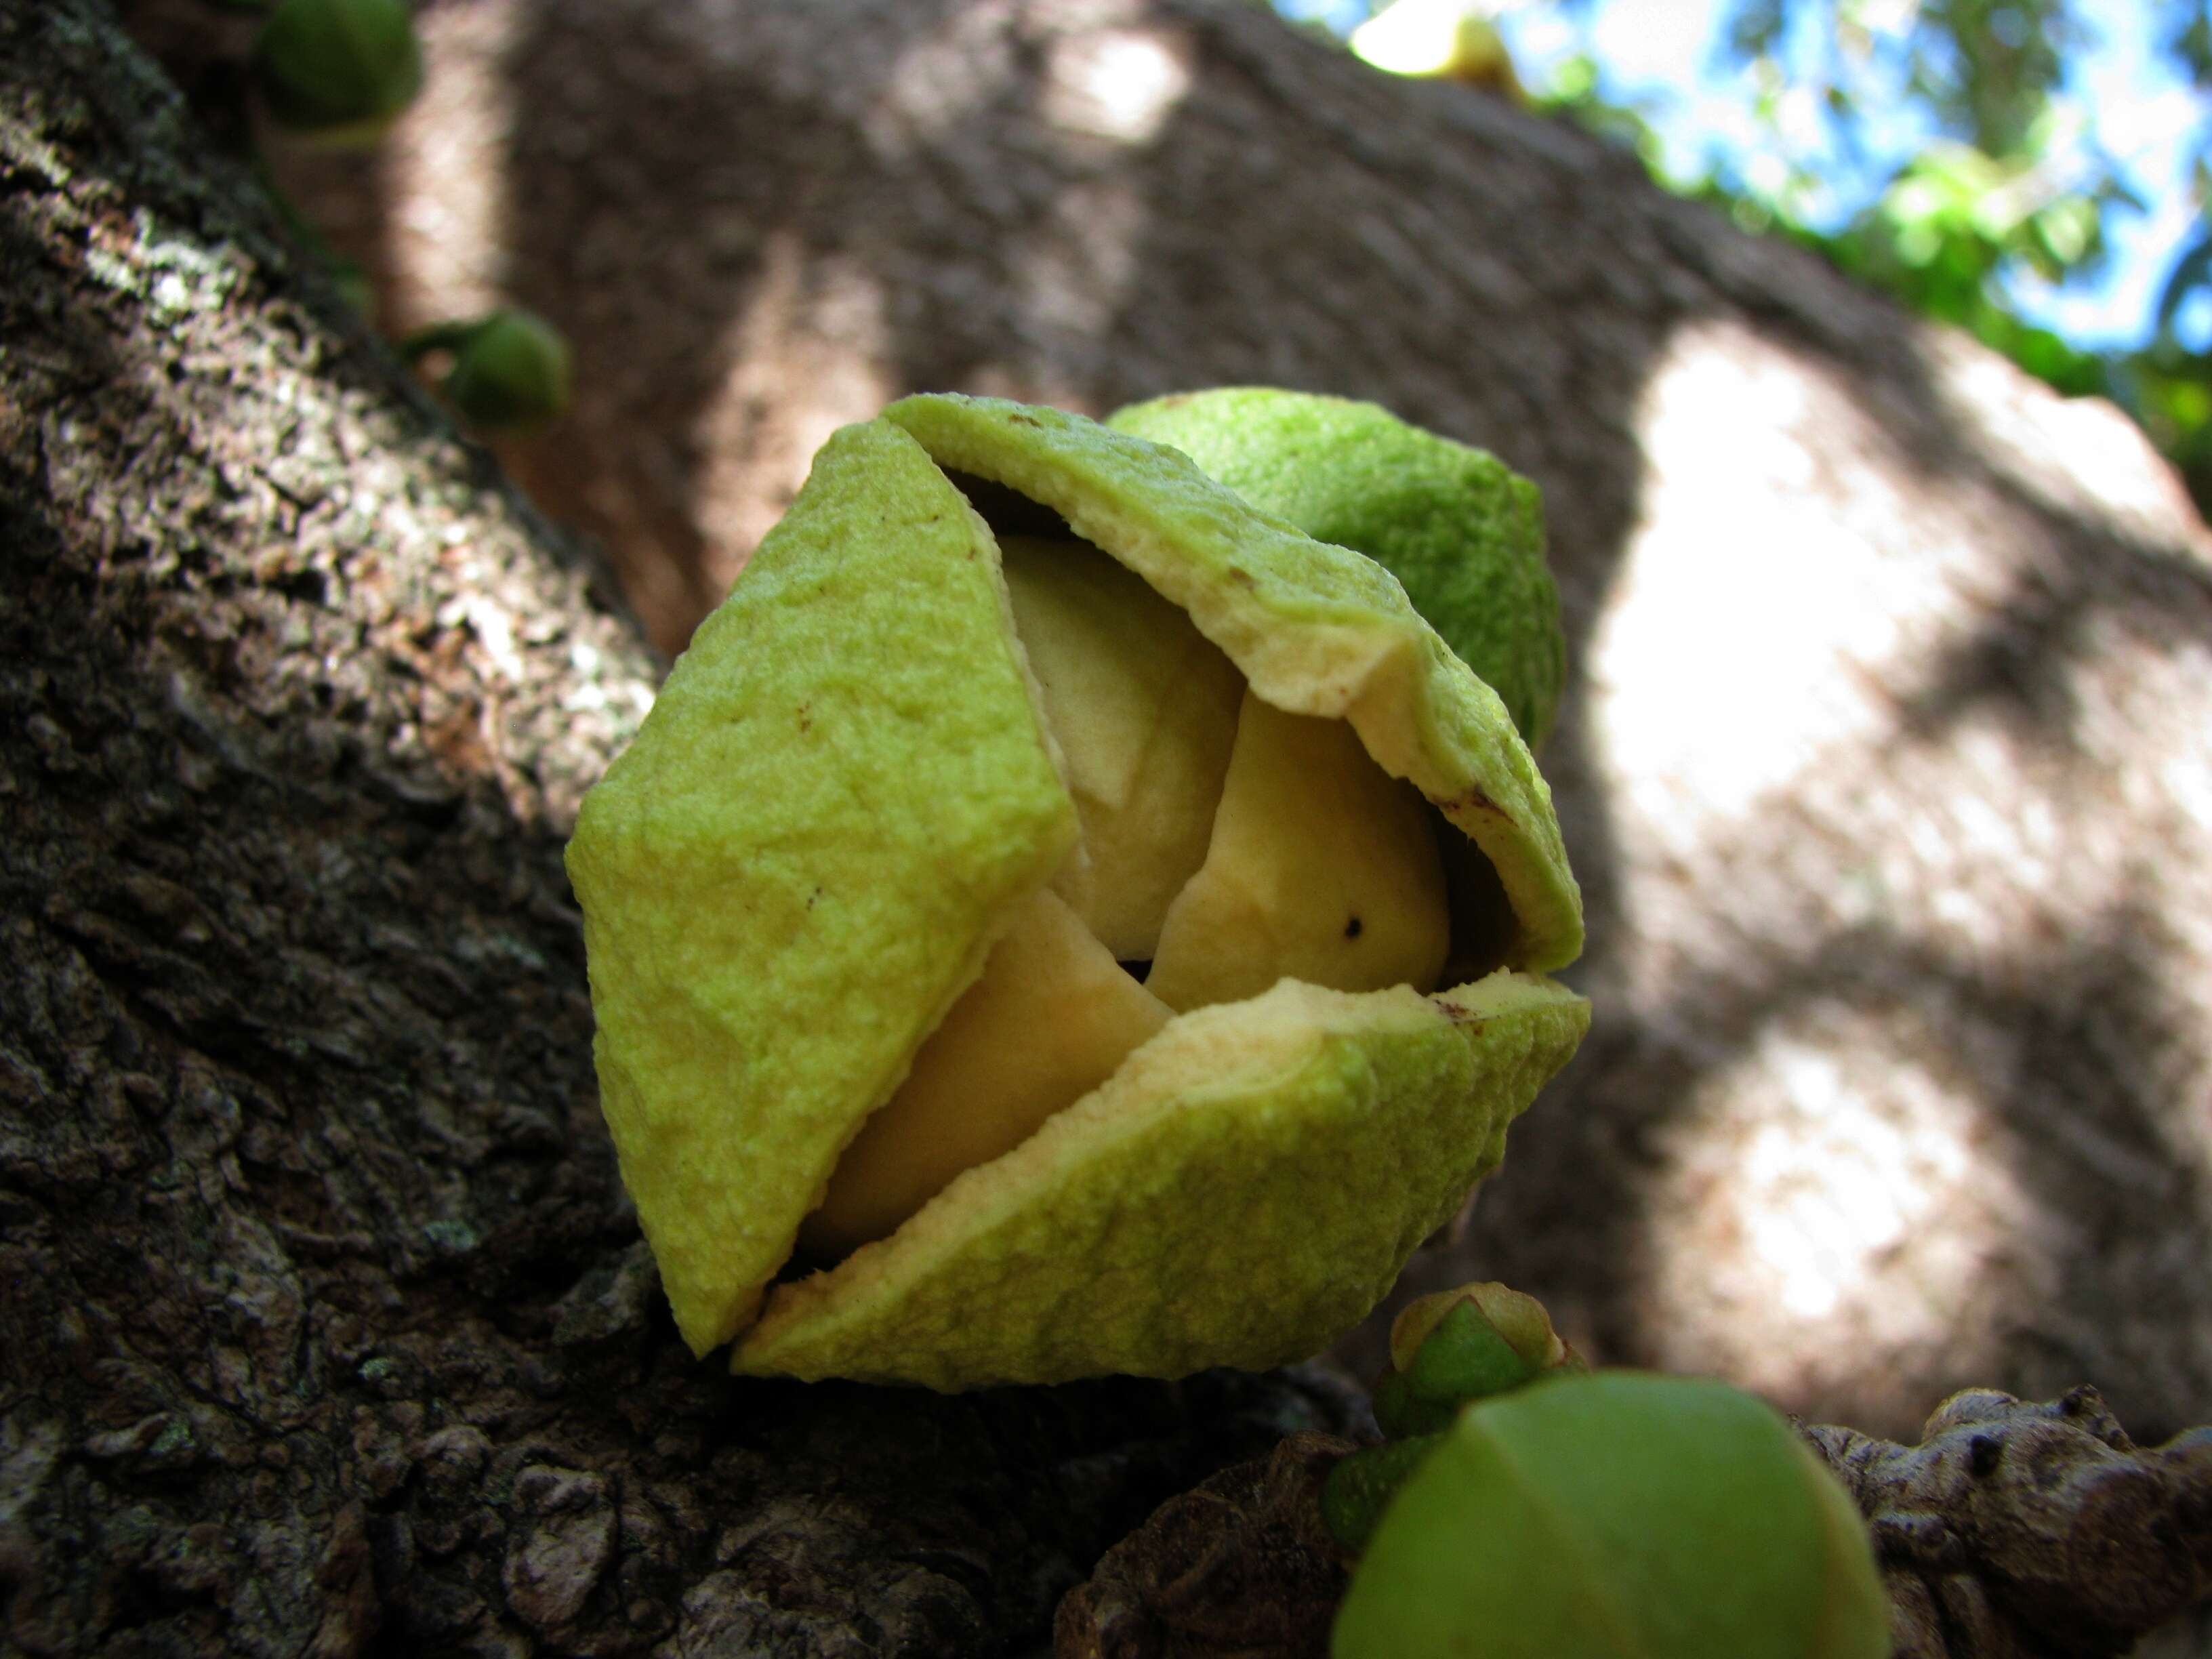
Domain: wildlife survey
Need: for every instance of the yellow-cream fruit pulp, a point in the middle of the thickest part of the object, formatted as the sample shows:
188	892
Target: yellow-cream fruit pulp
1230	843
1322	868
1050	1021
1144	708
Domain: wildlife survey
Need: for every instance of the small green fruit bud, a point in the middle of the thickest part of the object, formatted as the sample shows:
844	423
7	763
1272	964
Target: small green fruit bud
1516	1316
510	372
1612	1514
339	68
1464	1357
1463	1345
1361	1484
1447	1351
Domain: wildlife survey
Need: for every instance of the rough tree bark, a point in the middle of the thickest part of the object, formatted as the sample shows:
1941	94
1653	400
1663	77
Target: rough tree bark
325	1323
1884	768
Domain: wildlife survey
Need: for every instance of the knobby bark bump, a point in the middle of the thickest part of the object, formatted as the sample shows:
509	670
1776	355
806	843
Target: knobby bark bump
2013	1529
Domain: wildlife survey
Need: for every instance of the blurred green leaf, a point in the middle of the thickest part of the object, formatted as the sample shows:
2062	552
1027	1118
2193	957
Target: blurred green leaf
2019	190
2191	273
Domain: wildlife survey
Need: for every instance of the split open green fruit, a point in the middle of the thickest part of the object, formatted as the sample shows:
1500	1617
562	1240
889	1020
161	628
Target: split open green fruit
857	904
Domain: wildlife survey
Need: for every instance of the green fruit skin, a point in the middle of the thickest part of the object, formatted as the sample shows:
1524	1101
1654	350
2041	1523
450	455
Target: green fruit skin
510	373
1358	1490
1618	1515
341	69
1461	531
1464	1358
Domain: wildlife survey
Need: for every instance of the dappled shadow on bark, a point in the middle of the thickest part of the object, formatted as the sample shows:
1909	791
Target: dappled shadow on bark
2040	635
968	197
757	221
1875	1163
328	1324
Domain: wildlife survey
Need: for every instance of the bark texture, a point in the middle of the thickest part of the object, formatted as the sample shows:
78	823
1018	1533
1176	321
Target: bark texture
2014	1529
1242	1566
325	1326
1884	765
2030	1529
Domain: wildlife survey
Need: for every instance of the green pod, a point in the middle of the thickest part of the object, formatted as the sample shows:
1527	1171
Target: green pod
1465	1357
1361	1484
339	68
1617	1515
1457	528
851	800
510	372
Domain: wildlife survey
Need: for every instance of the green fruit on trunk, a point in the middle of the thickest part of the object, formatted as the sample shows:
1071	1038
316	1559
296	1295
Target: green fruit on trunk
840	850
1617	1515
341	69
1460	529
511	371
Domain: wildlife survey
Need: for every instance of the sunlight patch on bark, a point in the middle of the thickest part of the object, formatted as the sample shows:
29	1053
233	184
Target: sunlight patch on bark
808	354
1840	1202
2052	448
1121	84
1740	636
1951	786
1074	274
443	167
944	77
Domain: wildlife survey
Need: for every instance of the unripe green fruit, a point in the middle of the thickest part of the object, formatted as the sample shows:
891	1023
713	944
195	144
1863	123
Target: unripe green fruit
1618	1516
339	68
1447	1351
1461	532
822	899
510	372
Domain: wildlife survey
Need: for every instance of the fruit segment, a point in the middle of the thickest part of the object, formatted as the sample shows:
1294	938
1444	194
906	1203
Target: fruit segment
1269	844
1322	868
1239	1192
1144	711
1050	1021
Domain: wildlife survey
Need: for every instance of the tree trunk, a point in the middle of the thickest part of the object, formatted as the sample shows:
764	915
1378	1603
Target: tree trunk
325	1322
1884	767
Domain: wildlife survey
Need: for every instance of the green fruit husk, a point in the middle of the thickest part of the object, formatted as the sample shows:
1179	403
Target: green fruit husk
339	68
844	793
1460	529
1617	1515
